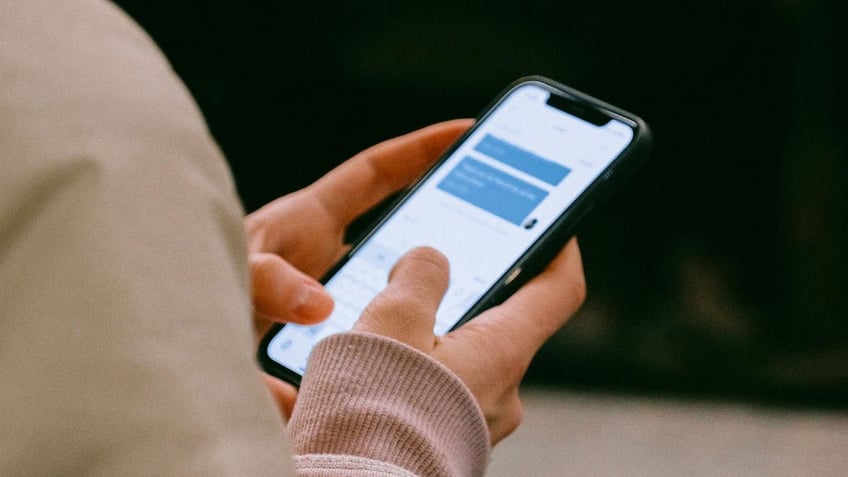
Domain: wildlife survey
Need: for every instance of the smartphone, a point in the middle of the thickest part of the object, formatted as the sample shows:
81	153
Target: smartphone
499	204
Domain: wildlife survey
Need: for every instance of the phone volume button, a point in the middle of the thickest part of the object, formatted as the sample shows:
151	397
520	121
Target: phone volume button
512	276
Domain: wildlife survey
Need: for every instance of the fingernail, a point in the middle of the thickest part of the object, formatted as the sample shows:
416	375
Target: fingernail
311	301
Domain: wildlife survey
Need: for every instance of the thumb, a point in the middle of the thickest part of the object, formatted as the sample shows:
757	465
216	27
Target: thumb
406	309
280	292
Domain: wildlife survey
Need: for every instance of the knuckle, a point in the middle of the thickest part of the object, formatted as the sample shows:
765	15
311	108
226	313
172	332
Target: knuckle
511	418
256	228
395	308
516	412
580	291
262	268
387	305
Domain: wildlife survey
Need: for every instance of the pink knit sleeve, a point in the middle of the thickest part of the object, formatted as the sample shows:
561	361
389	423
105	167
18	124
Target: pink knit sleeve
370	405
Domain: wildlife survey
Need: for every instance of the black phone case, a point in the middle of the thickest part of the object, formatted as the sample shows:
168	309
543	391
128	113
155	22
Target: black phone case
534	260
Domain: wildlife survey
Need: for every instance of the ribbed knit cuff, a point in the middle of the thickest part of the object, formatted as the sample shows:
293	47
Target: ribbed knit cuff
373	397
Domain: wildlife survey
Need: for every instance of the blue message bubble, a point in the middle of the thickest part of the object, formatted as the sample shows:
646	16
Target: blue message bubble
492	190
525	161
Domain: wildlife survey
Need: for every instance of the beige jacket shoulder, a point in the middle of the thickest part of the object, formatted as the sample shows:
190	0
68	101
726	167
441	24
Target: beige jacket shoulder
125	346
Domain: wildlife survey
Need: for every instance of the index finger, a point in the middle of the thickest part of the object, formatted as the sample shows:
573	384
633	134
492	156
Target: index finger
377	172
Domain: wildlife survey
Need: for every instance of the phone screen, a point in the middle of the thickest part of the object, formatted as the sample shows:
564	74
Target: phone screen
488	202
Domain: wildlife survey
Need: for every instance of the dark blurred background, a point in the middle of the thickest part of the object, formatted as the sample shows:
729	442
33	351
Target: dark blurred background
720	271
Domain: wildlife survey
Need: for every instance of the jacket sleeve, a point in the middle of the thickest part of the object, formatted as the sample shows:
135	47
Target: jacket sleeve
387	409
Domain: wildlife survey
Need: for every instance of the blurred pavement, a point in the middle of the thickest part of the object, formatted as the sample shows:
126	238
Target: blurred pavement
571	433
